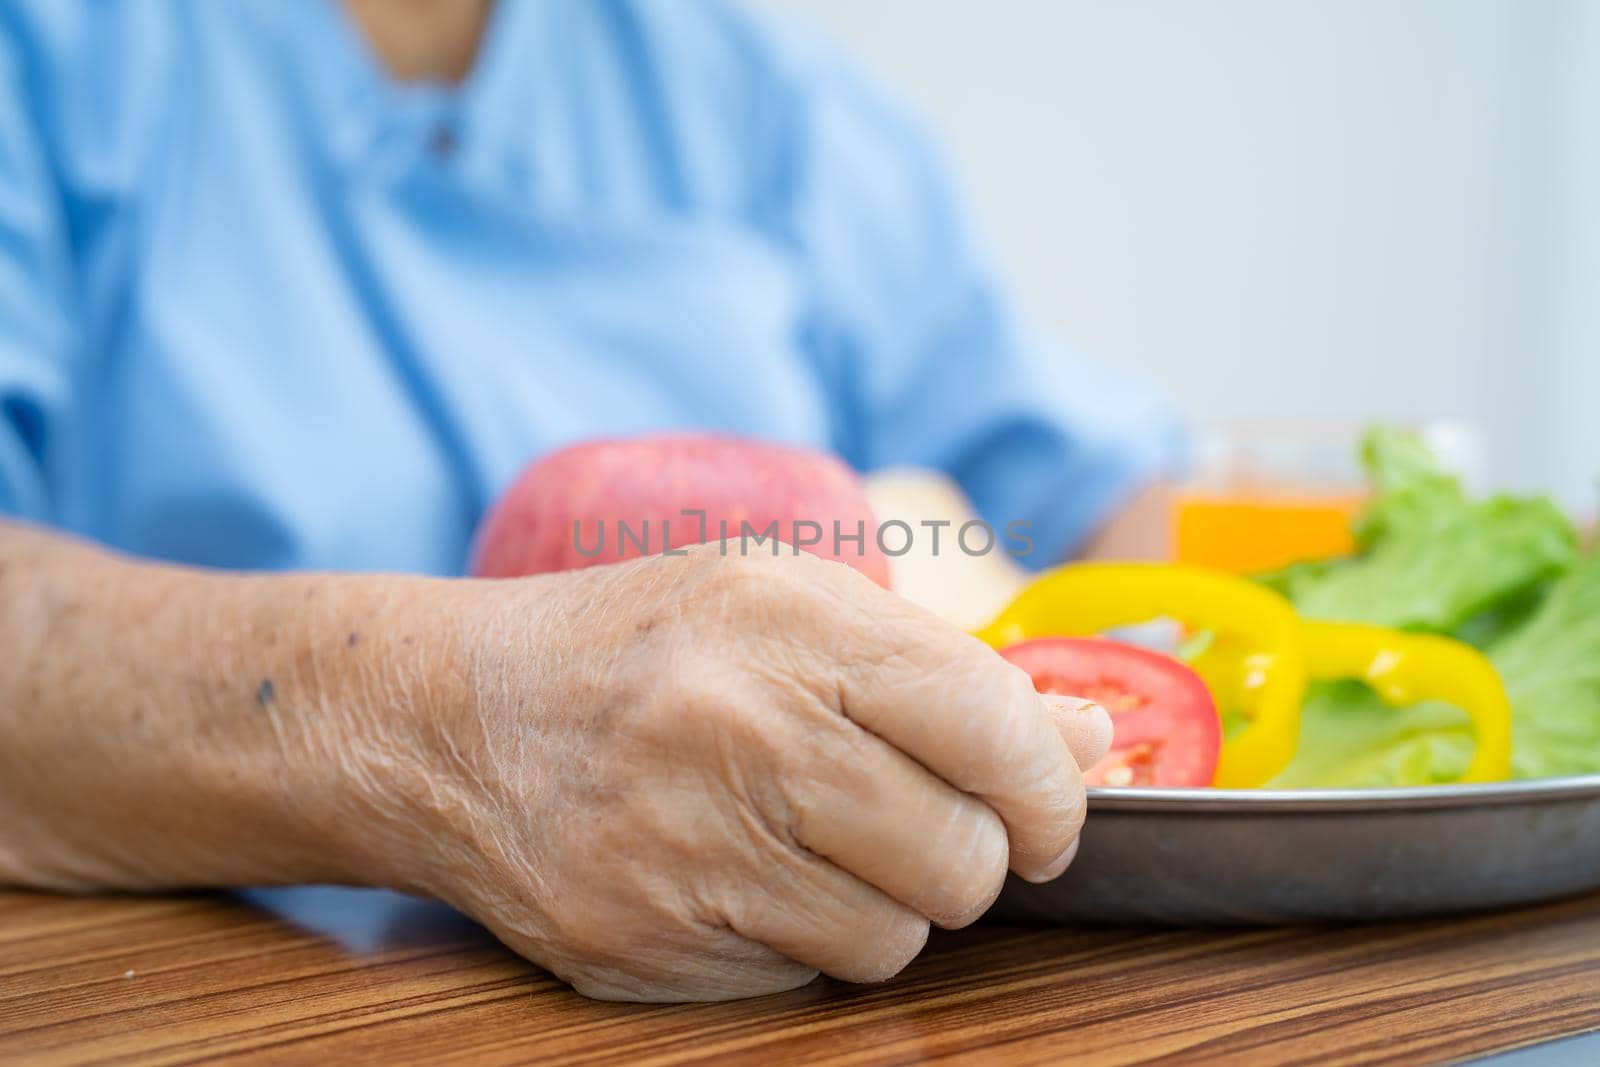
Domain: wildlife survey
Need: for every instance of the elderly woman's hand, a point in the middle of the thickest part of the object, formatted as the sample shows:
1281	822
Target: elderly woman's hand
707	777
683	777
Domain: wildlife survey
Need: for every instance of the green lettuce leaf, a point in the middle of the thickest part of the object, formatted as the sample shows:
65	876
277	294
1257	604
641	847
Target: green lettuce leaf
1551	668
1351	739
1503	573
1430	558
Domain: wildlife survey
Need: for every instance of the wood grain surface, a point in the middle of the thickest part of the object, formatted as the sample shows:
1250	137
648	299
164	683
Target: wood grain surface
340	976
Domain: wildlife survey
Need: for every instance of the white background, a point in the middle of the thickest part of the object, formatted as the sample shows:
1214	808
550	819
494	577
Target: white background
1288	208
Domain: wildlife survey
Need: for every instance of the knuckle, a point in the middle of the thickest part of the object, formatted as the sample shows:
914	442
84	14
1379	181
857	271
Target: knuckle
701	553
1046	811
1019	684
1008	691
1009	738
706	571
693	709
1077	802
831	751
1062	819
748	583
818	770
682	691
1068	802
738	746
736	568
1020	698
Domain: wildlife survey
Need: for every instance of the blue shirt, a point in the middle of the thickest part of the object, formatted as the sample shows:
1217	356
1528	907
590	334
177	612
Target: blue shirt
261	306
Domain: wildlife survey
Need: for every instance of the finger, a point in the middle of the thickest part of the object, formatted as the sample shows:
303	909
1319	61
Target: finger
878	814
1056	869
972	719
1084	725
821	916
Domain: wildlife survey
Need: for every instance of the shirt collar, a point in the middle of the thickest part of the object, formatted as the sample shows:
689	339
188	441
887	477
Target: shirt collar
366	118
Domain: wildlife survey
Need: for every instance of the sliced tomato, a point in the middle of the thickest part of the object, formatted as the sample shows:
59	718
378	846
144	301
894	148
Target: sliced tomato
1165	725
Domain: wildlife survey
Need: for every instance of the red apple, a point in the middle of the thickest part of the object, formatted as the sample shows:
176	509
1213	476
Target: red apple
605	500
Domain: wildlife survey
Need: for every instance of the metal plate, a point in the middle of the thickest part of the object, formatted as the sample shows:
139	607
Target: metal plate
1229	857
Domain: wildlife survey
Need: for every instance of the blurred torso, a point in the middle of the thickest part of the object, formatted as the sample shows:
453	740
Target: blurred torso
326	316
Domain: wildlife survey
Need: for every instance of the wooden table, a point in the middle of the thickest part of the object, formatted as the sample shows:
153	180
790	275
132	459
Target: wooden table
337	976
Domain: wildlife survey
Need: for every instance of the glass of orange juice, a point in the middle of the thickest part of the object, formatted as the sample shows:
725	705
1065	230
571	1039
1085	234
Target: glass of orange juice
1263	495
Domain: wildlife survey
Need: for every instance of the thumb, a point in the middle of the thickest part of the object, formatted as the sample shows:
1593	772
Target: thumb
1085	726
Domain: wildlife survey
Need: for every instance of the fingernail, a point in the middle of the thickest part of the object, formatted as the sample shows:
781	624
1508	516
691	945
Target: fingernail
1087	727
1056	866
1077	711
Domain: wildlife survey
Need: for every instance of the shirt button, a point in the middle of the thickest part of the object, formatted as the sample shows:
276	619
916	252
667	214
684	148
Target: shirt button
443	142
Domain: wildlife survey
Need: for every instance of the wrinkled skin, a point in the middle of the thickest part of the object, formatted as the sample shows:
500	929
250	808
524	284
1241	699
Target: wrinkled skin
669	779
746	771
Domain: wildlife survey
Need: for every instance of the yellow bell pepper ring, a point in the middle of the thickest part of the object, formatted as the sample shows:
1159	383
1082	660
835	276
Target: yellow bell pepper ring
1254	660
1405	668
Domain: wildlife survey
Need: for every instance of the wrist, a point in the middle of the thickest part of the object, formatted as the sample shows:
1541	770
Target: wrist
346	691
432	676
395	672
